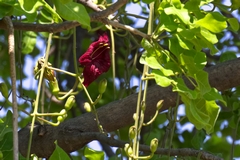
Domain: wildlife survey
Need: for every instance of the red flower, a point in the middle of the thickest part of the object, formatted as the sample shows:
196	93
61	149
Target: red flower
96	59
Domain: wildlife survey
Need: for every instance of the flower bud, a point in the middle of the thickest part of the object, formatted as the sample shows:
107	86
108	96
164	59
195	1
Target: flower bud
134	116
60	118
53	85
128	149
102	86
63	112
132	132
159	104
4	90
70	102
143	106
87	107
154	145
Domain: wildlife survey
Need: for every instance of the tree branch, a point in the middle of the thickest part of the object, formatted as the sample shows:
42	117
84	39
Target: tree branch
99	16
119	113
11	51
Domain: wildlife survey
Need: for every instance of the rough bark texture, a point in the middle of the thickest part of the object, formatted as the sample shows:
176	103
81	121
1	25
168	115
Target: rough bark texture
75	133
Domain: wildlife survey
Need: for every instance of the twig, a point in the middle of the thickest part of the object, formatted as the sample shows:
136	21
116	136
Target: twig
184	152
90	4
110	10
11	51
128	28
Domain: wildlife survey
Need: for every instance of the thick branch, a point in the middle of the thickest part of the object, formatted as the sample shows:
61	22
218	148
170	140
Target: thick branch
119	113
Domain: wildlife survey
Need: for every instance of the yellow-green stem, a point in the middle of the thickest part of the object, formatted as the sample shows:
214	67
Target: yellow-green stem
139	112
92	106
39	93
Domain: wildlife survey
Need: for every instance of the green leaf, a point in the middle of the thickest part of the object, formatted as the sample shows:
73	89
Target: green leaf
194	113
160	79
235	4
6	146
73	11
185	44
233	23
214	95
213	21
6	126
167	24
180	86
228	55
193	6
213	111
201	78
92	154
152	62
59	154
212	38
30	6
148	1
6	8
174	47
203	114
182	14
198	139
28	42
18	11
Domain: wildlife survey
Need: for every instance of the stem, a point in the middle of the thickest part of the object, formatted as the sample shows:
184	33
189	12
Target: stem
234	139
11	51
139	112
38	94
92	106
113	60
63	71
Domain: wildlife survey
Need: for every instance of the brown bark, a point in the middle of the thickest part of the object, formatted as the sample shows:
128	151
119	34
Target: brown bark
75	133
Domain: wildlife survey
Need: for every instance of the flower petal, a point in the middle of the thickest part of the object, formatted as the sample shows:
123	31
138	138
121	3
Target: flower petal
96	60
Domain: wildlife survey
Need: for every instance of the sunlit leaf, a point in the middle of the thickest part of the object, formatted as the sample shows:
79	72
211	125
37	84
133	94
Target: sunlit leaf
213	21
209	36
73	11
160	79
182	13
92	154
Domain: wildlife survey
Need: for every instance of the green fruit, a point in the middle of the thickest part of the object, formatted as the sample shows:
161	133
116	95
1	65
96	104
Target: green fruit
4	90
102	86
70	102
